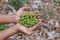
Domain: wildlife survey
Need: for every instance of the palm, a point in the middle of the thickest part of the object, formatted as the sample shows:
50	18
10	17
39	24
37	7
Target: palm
22	28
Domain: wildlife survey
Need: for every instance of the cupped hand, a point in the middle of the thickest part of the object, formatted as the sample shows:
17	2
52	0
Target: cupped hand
39	20
20	11
21	27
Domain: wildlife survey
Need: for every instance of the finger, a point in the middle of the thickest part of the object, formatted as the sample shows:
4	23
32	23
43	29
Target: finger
25	8
36	11
21	10
21	26
28	32
36	26
24	29
38	17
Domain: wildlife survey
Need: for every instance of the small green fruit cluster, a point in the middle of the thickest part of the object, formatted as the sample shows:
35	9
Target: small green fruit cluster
28	19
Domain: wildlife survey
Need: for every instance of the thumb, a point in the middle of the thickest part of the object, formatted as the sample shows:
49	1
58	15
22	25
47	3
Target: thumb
24	29
37	25
27	32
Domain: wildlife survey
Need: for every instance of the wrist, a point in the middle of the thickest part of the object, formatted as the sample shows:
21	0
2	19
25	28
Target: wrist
15	28
14	19
8	18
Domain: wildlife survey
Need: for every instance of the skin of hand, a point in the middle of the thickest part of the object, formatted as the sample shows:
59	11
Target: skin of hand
21	27
22	10
15	29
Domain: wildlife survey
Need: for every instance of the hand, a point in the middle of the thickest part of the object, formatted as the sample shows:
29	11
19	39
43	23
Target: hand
12	30
39	22
22	28
20	11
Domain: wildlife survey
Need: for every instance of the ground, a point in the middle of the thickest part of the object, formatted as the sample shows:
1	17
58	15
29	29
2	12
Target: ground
50	13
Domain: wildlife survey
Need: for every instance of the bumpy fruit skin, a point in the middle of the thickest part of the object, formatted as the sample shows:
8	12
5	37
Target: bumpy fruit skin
28	19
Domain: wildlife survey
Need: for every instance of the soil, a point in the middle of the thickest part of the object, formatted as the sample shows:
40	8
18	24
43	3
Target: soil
50	28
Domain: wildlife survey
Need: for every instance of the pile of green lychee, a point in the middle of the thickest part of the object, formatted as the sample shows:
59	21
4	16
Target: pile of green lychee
28	19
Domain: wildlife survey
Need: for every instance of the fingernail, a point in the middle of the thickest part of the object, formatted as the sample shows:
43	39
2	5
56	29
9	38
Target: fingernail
30	33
